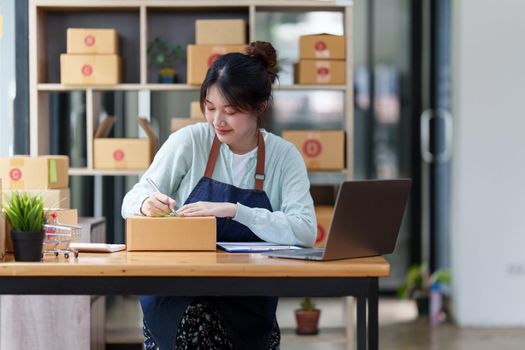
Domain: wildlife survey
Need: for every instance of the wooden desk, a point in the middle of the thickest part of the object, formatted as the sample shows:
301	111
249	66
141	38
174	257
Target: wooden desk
204	274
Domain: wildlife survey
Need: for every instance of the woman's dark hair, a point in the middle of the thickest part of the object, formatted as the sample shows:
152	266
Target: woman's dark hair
245	80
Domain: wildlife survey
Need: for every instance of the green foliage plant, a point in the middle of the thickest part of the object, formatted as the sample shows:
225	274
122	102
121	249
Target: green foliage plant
25	212
162	54
418	281
307	304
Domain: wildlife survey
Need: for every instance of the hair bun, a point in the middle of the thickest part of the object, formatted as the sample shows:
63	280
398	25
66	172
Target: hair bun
264	51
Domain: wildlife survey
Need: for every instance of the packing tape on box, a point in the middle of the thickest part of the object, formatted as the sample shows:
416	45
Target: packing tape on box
17	161
53	178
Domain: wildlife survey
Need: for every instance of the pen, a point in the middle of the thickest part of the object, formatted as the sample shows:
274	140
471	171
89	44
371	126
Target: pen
150	181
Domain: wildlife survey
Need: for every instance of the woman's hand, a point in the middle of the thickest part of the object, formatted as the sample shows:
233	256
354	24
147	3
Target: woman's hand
157	204
220	210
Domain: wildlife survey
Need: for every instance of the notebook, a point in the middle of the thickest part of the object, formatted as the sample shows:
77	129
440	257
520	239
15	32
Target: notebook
97	247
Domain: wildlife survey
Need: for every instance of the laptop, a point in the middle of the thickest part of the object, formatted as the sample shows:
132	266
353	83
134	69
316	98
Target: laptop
366	221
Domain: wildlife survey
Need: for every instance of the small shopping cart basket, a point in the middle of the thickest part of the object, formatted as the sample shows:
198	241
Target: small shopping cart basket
59	237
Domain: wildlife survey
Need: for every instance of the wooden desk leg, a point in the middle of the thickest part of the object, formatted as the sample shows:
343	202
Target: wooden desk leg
361	323
373	332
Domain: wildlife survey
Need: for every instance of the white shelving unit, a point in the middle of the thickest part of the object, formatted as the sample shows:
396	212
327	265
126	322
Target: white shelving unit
136	19
44	64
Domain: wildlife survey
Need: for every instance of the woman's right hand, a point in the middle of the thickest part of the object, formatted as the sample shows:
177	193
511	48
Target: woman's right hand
157	204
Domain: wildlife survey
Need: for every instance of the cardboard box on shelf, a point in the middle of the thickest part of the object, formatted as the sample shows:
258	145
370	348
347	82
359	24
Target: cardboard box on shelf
220	31
42	172
92	41
89	69
324	214
195	110
321	150
320	72
201	57
55	198
179	123
322	46
170	233
123	153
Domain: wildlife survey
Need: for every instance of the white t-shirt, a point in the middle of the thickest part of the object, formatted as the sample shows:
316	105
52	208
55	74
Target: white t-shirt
240	162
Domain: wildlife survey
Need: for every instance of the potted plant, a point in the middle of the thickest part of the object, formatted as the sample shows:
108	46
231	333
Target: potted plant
307	317
418	282
164	55
25	213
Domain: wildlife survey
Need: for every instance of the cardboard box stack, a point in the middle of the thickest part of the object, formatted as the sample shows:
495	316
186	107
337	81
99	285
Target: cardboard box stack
44	175
321	59
123	153
213	39
321	150
170	233
196	116
92	57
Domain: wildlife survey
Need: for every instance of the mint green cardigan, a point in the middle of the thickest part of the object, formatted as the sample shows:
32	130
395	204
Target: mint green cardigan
180	163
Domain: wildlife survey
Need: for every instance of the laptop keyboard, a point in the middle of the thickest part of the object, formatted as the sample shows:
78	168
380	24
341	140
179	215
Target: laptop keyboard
307	252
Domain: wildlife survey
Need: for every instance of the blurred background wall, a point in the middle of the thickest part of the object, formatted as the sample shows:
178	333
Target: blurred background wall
488	225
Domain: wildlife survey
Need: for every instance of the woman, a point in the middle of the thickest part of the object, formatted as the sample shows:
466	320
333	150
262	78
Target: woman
254	183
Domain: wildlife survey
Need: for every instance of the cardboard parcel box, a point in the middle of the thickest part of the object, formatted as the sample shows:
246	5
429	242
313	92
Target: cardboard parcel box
324	214
321	150
179	123
195	110
52	198
89	69
320	72
43	172
201	57
92	40
170	233
220	31
324	46
62	216
123	153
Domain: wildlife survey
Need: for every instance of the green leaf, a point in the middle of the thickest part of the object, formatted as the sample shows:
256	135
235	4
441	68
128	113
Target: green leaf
25	212
163	54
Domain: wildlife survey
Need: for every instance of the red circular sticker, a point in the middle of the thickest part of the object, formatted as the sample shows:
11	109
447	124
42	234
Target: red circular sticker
89	40
312	148
323	71
118	155
87	70
320	46
213	58
15	174
321	233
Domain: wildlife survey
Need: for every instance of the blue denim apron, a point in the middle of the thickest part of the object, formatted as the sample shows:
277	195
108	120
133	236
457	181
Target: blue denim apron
249	320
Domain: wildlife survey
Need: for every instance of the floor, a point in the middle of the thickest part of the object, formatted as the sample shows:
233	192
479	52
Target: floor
418	335
400	328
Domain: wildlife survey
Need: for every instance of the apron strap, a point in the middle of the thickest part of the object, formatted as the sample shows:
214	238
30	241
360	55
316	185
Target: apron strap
259	170
212	158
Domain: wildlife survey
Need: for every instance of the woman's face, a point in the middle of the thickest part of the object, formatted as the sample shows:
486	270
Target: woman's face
235	128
